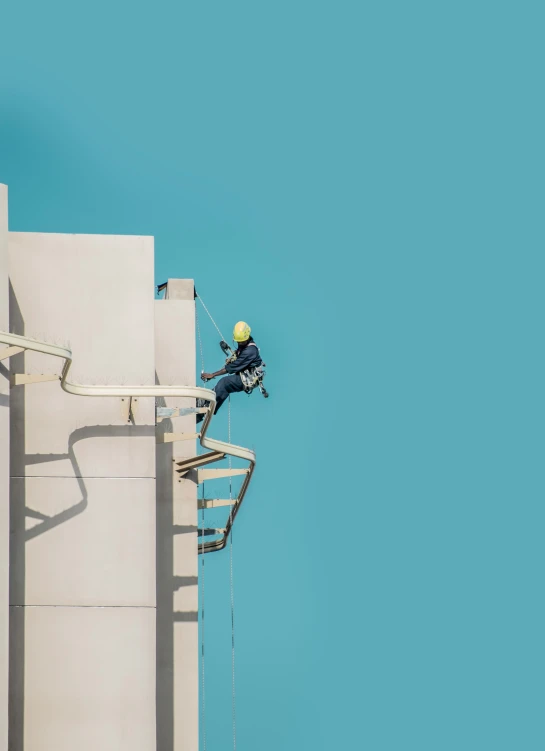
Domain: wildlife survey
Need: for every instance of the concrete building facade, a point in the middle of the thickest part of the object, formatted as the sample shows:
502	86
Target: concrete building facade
99	554
4	473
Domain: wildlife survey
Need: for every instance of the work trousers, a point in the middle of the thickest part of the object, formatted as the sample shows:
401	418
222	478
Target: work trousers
229	384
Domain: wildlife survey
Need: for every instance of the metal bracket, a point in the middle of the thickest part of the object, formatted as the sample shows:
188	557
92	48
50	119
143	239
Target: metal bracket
216	474
216	502
10	352
129	405
171	437
126	408
21	379
207	531
184	465
167	413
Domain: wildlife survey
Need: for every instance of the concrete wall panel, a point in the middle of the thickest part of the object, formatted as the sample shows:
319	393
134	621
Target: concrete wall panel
82	505
76	436
102	532
177	560
4	472
84	689
95	293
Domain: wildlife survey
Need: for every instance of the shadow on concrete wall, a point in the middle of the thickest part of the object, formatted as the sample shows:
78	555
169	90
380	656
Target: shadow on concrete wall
20	535
19	512
164	640
16	706
90	431
167	584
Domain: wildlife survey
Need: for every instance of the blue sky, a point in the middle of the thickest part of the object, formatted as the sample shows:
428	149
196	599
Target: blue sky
362	182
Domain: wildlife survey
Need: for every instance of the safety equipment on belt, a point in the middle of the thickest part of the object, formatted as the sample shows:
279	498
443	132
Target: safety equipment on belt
251	377
241	332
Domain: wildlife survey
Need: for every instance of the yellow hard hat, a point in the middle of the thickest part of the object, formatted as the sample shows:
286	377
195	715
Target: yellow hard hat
241	332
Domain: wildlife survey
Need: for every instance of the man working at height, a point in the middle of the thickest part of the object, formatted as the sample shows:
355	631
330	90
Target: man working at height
242	371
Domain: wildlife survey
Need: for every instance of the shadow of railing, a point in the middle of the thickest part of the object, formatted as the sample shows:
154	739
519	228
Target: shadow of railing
166	530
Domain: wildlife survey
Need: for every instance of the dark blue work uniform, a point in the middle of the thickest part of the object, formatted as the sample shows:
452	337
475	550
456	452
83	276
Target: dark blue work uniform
247	357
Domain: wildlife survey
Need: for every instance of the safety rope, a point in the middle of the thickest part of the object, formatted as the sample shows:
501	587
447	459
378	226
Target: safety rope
229	441
210	316
231	578
203	671
203	677
232	590
200	338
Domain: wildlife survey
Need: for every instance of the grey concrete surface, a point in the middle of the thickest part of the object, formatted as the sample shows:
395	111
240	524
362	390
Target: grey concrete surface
82	575
94	292
89	679
180	289
102	535
73	436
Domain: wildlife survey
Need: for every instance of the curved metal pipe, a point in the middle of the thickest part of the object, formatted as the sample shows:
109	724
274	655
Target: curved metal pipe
192	392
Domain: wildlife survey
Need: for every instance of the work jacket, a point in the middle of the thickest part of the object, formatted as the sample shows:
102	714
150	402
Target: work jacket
248	357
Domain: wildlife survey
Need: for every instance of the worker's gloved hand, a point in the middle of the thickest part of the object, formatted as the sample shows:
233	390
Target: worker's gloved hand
206	377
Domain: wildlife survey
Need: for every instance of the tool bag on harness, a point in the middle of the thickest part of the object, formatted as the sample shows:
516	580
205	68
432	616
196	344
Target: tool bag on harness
253	378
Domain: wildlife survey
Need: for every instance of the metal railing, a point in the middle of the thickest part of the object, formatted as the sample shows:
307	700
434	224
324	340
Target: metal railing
20	343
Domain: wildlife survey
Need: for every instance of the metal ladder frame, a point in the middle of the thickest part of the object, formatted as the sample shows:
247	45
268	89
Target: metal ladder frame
17	344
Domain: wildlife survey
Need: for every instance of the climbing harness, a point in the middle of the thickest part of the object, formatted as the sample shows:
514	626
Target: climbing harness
251	377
